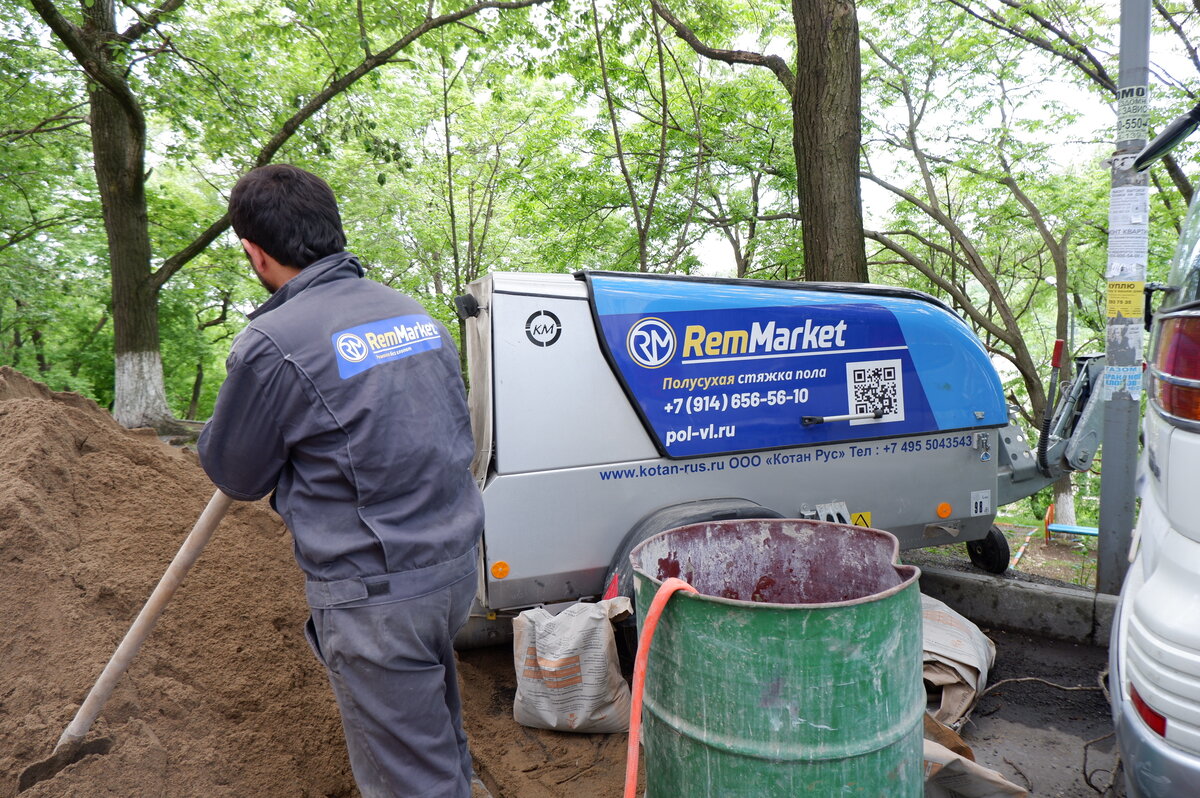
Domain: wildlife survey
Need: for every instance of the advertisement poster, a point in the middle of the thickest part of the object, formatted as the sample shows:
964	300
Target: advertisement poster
719	366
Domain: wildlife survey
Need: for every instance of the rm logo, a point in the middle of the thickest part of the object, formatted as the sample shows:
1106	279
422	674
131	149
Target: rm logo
352	347
651	342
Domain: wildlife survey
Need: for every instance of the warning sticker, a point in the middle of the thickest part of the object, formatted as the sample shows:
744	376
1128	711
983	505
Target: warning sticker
860	519
1125	299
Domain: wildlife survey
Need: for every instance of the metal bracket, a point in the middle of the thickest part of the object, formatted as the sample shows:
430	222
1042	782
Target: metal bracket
834	512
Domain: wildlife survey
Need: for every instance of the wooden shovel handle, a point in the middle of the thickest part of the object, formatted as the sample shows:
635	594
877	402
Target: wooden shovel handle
144	623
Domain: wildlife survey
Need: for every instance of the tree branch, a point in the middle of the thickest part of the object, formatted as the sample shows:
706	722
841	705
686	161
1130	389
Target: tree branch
973	261
1184	40
1166	201
362	30
1178	177
30	230
47	125
148	22
91	61
289	128
961	299
1082	57
761	217
771	62
1078	54
226	301
612	115
662	143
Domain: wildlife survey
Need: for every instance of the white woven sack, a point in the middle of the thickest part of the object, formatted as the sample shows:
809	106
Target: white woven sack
568	678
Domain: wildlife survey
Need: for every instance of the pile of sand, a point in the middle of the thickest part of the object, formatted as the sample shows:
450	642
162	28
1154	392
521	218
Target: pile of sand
225	698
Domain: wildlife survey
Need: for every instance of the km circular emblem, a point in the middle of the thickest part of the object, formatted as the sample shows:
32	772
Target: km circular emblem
543	328
352	347
651	342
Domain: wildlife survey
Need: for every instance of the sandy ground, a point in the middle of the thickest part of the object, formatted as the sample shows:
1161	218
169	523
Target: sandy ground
517	762
226	699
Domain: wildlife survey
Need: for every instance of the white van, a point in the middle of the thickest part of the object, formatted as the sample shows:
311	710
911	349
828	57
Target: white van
1155	650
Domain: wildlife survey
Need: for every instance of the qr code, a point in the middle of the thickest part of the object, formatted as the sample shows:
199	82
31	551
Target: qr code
875	386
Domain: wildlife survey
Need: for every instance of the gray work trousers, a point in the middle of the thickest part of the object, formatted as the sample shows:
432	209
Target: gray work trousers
387	643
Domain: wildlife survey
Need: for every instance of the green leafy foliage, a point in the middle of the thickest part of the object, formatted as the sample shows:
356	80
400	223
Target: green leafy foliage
489	145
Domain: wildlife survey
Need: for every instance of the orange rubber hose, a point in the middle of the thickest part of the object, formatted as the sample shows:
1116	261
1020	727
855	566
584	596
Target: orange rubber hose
664	593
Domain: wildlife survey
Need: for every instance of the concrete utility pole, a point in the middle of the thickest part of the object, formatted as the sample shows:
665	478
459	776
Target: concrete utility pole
1128	221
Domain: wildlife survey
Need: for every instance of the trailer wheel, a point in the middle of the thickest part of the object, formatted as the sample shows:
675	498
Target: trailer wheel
990	553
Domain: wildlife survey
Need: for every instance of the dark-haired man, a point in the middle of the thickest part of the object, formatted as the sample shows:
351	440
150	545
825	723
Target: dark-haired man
345	399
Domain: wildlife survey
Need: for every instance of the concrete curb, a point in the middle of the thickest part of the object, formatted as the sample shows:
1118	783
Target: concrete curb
1074	614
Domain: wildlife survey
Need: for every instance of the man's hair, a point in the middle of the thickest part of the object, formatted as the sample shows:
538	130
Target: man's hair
292	214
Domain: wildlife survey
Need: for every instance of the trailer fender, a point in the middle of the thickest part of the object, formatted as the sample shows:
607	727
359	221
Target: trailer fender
675	515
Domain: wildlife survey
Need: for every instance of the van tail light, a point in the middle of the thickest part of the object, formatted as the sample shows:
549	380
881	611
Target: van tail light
1176	368
1156	722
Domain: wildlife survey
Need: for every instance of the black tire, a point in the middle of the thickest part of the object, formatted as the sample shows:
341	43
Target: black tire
990	553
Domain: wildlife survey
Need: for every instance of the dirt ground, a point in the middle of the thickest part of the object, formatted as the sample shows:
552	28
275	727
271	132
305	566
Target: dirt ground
1049	728
1067	558
225	699
518	762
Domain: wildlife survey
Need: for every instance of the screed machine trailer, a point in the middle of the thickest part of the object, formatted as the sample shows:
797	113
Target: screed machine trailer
609	407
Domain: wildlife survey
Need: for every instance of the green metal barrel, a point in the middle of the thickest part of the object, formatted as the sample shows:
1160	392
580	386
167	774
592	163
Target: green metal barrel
796	669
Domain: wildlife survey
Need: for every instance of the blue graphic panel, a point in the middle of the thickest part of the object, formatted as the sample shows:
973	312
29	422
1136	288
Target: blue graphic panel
717	367
367	345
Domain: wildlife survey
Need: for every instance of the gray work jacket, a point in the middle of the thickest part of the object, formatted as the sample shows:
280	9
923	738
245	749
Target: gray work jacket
345	398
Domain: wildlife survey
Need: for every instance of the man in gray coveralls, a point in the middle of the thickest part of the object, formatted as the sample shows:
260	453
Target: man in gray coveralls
345	398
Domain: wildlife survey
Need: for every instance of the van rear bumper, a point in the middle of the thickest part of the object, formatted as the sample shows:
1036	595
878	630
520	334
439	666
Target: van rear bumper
1153	767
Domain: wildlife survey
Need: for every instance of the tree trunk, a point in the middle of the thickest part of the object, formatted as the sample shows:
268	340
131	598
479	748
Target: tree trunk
826	128
1064	501
197	385
118	147
35	337
77	360
39	350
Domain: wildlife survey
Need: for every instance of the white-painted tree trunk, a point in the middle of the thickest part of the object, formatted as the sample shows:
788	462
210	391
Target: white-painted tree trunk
140	398
1064	502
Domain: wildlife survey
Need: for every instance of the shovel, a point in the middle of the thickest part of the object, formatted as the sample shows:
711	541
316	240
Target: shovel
70	747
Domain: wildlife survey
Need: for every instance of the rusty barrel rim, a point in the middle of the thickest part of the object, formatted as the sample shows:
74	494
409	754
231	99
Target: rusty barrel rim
908	573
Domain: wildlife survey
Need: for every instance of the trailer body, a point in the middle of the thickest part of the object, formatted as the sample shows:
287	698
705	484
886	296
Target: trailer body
600	399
